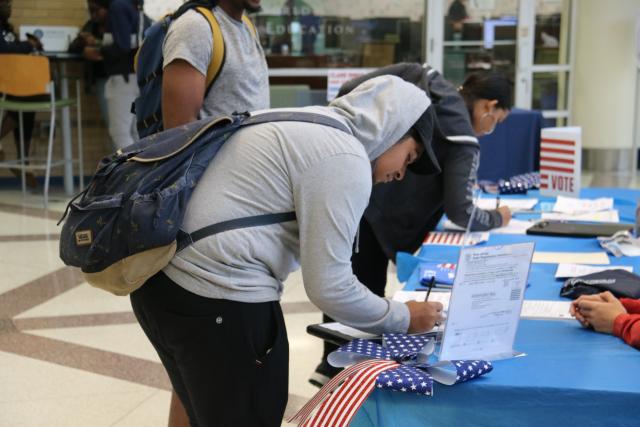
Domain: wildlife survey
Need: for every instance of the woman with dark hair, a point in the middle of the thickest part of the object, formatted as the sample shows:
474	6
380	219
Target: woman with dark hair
401	213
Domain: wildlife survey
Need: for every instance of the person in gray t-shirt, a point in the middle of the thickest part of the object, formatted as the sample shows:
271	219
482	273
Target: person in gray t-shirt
243	81
241	85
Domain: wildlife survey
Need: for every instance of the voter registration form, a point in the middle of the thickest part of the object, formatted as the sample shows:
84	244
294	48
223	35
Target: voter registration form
486	301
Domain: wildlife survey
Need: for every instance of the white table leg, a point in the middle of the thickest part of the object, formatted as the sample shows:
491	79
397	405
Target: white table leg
66	132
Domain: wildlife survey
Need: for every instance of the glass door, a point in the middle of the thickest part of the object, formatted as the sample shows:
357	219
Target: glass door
476	35
551	59
528	40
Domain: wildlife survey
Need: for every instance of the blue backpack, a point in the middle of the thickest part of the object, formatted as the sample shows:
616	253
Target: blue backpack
125	227
149	61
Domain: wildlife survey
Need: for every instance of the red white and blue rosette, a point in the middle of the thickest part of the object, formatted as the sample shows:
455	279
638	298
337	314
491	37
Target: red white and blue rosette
400	364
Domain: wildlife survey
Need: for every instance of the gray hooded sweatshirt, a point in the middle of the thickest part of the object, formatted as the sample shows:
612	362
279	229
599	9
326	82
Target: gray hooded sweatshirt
321	173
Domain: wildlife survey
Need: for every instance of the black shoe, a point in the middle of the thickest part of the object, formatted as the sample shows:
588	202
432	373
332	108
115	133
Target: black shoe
323	373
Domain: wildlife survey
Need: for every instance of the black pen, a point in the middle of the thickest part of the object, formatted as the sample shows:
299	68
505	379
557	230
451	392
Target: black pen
431	283
497	202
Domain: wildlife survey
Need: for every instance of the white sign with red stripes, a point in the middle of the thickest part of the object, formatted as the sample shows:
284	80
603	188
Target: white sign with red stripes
560	161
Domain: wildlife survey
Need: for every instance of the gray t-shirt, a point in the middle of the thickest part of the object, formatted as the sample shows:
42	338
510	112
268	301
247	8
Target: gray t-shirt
243	82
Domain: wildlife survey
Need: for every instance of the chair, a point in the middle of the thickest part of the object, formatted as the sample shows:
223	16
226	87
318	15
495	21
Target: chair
29	75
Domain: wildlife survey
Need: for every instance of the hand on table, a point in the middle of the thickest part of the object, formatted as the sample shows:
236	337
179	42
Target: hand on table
423	316
597	311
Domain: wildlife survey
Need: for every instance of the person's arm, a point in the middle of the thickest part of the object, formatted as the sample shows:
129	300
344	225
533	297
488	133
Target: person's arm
459	171
328	212
187	53
631	305
183	90
627	327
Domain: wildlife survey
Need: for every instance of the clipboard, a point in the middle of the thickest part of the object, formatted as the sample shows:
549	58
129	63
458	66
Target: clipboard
327	332
577	229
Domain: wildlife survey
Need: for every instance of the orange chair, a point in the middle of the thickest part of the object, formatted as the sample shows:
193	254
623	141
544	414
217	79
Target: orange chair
28	75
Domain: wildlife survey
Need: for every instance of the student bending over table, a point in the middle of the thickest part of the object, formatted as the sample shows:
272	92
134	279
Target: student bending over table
607	314
213	314
401	213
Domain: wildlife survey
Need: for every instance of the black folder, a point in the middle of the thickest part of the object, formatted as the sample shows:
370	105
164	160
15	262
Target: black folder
578	229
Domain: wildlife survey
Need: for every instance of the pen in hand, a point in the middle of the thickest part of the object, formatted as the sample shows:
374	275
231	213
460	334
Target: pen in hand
431	283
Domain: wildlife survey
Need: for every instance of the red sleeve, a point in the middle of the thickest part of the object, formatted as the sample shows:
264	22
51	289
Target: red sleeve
627	327
631	305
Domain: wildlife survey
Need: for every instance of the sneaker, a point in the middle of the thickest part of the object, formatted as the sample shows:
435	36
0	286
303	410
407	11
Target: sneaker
323	373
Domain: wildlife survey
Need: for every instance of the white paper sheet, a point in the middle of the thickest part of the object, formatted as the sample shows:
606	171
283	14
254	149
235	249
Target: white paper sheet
571	258
540	309
515	226
435	296
531	309
486	301
571	205
603	216
575	270
513	204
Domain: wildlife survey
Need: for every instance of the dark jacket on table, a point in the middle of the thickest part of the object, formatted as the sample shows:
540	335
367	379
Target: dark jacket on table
401	213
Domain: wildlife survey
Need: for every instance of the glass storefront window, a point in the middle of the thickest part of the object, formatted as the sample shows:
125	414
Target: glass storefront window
550	93
552	32
479	35
338	33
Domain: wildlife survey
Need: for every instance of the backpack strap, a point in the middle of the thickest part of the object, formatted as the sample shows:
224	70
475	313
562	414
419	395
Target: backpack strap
185	239
218	51
297	116
249	24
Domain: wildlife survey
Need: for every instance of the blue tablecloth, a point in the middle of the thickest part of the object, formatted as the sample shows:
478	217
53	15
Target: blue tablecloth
513	148
571	376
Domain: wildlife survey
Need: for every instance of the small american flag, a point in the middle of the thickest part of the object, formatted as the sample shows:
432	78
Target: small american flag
446	238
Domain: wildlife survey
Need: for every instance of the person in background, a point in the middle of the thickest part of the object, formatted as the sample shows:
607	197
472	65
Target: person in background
241	85
90	36
401	213
607	314
123	35
213	314
9	43
456	15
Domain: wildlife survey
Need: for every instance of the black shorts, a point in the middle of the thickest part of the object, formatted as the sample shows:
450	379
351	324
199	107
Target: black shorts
228	361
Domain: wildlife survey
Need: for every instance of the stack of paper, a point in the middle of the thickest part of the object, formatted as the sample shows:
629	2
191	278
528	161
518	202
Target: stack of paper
515	226
570	258
575	270
514	204
573	206
602	216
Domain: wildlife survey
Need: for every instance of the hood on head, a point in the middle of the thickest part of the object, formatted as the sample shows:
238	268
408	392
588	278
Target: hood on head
380	111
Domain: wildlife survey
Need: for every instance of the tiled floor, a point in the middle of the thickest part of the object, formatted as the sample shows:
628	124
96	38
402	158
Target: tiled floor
72	355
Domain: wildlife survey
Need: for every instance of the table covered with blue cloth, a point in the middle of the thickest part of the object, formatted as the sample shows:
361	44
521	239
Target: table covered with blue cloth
570	376
513	148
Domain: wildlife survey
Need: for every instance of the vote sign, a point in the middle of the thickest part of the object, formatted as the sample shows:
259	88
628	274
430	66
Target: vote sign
560	161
